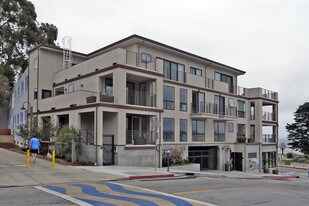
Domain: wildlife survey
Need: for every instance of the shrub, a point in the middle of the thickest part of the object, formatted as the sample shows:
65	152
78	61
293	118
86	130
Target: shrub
287	162
289	155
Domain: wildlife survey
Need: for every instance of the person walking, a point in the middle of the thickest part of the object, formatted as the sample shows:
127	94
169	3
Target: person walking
34	147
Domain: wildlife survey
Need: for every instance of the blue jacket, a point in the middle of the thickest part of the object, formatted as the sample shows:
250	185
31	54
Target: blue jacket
34	143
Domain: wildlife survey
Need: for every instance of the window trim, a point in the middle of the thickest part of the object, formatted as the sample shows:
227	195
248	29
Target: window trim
194	70
168	102
145	61
172	134
217	135
183	132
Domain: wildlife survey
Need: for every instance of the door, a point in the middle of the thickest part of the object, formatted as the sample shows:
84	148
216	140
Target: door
108	150
237	160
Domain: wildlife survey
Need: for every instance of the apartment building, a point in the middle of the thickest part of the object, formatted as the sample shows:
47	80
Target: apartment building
137	98
19	100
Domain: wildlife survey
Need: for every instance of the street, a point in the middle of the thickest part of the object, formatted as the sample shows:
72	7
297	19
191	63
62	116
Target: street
41	184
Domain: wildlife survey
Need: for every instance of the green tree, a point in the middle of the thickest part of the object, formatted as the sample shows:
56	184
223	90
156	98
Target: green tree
299	130
19	31
4	92
63	141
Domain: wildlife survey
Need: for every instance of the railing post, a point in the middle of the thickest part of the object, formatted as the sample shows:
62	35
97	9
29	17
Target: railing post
53	158
27	158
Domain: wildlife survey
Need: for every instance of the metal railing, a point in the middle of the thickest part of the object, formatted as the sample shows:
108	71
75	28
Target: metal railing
87	136
140	137
135	97
268	116
212	108
269	94
134	59
269	138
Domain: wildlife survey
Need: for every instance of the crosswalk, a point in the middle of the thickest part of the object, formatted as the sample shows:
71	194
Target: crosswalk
114	194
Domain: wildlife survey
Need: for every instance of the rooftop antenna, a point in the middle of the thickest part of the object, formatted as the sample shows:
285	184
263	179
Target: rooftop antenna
67	52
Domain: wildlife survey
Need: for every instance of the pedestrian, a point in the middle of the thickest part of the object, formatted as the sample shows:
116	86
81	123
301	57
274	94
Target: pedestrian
34	147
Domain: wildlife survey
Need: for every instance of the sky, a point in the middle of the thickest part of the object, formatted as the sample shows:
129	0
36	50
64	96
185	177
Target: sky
269	39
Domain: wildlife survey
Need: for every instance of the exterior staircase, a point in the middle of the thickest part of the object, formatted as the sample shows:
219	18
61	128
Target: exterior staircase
7	141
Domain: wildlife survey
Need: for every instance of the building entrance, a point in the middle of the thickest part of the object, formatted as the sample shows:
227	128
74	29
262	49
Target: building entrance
205	156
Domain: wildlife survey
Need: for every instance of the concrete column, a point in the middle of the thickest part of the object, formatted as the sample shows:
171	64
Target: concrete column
99	135
119	86
121	121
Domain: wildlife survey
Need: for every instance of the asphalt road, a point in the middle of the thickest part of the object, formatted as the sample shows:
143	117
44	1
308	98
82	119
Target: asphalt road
235	192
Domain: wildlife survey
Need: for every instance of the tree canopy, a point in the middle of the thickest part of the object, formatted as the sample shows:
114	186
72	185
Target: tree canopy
299	130
19	31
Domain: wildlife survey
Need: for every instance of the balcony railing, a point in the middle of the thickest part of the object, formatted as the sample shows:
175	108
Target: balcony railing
140	137
269	94
212	108
135	97
134	59
269	138
268	116
86	136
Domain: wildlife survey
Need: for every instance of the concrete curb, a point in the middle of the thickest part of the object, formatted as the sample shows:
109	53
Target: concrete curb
294	167
150	176
280	177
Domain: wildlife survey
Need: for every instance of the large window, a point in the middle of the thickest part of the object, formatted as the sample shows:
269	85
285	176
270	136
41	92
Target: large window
219	128
198	130
220	105
59	91
195	71
241	131
183	100
183	130
198	102
225	78
168	97
241	109
174	71
168	129
109	86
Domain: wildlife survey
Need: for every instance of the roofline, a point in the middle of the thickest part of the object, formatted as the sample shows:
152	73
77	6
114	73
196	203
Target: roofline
165	46
54	47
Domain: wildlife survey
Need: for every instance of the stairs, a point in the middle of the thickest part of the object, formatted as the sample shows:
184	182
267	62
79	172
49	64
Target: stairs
7	142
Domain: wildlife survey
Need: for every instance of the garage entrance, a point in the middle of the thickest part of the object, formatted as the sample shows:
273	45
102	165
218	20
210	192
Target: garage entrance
207	157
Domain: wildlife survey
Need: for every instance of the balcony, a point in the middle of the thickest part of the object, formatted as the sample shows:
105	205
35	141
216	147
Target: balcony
212	109
134	59
268	116
135	97
140	137
70	99
269	139
256	92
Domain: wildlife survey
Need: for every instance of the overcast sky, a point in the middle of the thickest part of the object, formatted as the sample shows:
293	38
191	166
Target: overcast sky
269	39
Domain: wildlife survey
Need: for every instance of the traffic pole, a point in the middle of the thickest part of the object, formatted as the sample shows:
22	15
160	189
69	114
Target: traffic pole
53	158
27	158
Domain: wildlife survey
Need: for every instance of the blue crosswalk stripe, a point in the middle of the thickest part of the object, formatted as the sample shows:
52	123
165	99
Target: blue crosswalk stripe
174	200
90	190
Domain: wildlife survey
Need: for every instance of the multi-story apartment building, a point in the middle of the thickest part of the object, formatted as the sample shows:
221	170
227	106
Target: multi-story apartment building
19	100
137	98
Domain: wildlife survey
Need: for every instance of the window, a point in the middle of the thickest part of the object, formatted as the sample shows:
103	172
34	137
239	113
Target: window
168	97
241	109
22	88
252	110
231	127
71	88
252	155
198	130
183	100
198	102
18	92
21	117
241	130
225	78
174	71
35	94
26	117
46	93
195	71
26	83
183	130
219	128
36	63
168	129
59	91
145	58
109	86
220	105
